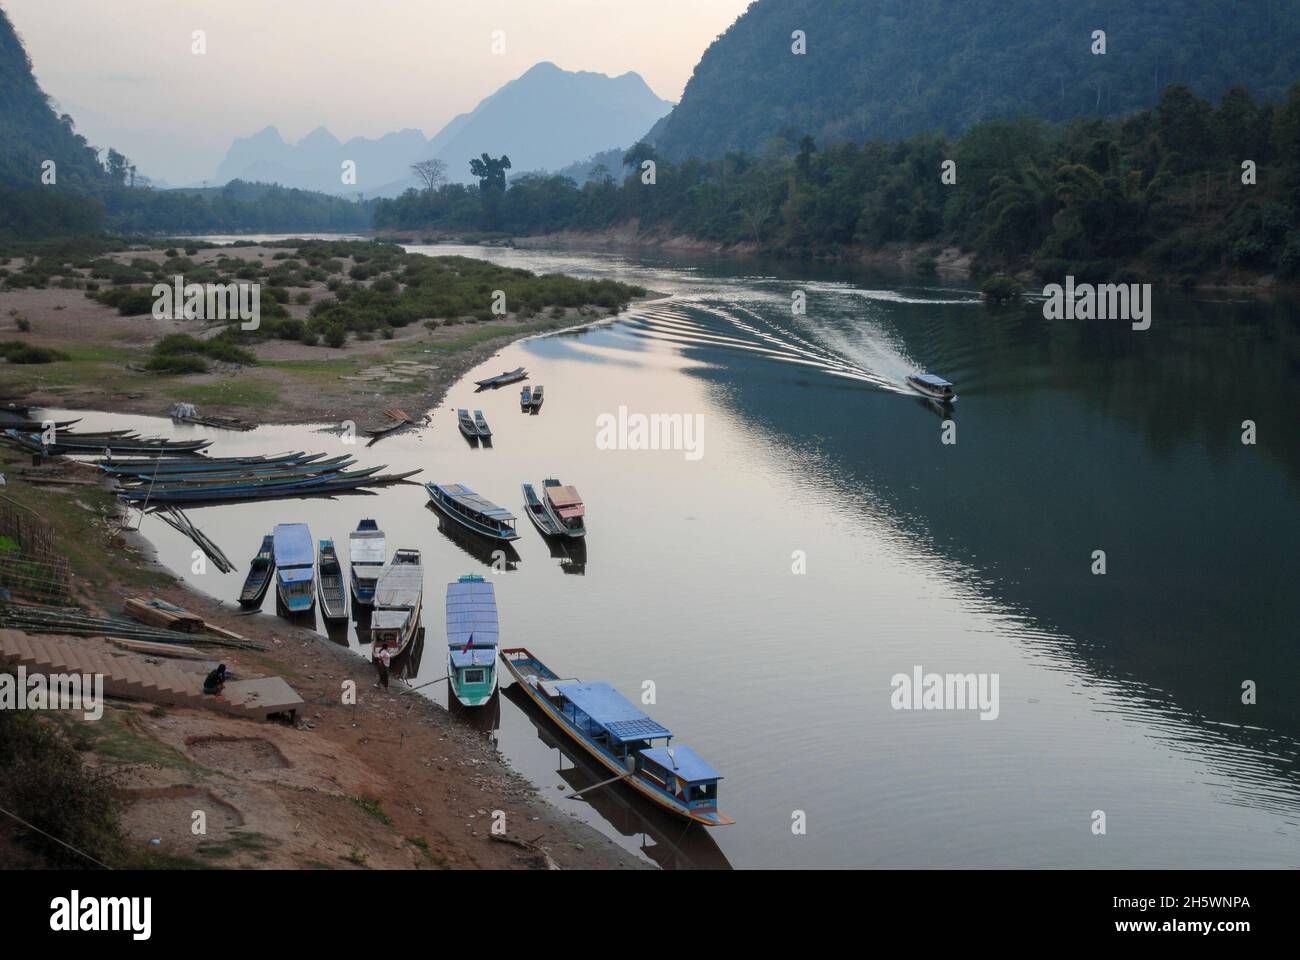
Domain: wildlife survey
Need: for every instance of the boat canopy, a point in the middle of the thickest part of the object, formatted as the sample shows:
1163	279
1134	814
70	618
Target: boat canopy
472	658
932	380
367	546
293	546
390	619
399	586
683	763
471	501
295	574
613	712
472	614
568	504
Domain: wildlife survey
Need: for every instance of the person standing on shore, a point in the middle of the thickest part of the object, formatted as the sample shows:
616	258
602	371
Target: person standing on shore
382	660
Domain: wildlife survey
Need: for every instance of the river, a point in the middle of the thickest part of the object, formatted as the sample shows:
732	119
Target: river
820	538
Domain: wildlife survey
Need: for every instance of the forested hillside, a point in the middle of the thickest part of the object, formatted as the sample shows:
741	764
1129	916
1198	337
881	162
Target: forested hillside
1159	192
895	68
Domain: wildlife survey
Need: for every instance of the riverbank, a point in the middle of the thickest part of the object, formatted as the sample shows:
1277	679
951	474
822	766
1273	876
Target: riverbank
393	781
292	381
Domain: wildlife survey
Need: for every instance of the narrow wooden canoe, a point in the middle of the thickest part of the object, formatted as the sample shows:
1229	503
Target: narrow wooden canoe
260	574
329	581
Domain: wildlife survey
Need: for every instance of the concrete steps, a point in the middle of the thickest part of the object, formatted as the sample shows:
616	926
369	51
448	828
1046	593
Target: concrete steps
135	676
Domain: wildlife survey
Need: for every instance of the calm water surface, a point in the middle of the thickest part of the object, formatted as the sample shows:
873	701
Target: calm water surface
1119	693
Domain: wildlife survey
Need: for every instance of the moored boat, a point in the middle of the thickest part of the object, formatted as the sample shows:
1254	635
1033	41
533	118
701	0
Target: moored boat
458	502
936	388
295	567
367	551
536	401
329	581
546	525
501	379
565	507
526	397
634	748
260	573
399	600
467	425
481	425
472	637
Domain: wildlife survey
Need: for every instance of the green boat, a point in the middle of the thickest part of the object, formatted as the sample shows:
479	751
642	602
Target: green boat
472	636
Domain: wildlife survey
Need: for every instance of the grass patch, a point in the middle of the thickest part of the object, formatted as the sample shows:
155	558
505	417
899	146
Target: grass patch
372	806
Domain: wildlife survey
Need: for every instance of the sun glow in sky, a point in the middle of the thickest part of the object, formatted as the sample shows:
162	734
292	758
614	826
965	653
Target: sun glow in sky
126	73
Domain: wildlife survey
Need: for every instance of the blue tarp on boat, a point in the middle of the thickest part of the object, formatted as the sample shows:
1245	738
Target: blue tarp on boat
611	710
295	574
293	545
472	501
472	658
684	762
932	380
471	610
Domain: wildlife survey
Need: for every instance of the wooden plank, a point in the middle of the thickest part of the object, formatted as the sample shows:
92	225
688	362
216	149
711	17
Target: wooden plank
603	783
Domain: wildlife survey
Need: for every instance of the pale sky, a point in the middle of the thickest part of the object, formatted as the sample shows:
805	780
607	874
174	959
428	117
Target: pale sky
125	71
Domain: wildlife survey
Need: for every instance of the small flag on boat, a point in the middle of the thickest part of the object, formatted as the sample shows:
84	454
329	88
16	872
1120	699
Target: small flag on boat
469	643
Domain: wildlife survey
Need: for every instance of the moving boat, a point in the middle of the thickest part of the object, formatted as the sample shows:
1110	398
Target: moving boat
458	502
536	402
541	517
482	425
501	379
295	567
936	388
525	398
260	573
333	596
366	552
632	747
565	507
399	599
467	425
472	637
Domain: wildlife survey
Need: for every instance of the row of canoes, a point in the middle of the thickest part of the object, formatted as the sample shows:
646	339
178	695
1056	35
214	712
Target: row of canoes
51	441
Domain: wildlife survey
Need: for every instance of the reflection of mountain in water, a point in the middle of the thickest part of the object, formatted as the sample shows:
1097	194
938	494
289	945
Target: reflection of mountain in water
668	841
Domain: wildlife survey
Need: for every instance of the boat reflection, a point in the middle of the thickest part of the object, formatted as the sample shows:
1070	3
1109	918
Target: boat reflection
486	719
572	554
406	665
500	555
661	837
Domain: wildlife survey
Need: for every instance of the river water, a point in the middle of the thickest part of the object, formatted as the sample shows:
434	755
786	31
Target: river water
819	539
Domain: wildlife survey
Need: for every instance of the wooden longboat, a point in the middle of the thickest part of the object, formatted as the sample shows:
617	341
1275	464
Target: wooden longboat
525	398
536	401
936	388
472	636
481	425
329	582
565	507
399	602
295	572
367	549
182	465
546	525
340	462
260	574
467	425
477	514
501	379
616	733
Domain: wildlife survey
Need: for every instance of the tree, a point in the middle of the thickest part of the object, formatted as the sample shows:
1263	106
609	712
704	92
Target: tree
432	173
491	173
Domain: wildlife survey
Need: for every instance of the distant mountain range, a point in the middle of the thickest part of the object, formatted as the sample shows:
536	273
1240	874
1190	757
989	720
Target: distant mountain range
546	119
893	68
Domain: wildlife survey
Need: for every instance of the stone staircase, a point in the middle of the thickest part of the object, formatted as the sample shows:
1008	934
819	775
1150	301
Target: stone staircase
137	677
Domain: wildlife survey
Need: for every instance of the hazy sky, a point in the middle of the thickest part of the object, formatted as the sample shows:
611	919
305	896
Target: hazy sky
125	71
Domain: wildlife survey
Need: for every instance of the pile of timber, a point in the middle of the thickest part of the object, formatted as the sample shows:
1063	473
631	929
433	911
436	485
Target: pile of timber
177	520
72	621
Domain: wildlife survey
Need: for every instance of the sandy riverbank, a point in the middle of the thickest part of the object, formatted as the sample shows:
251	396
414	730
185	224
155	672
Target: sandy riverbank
392	782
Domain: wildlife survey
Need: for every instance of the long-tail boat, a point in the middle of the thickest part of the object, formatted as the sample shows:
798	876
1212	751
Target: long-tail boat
329	581
260	574
399	601
472	637
501	379
458	502
366	552
295	564
564	506
547	525
635	749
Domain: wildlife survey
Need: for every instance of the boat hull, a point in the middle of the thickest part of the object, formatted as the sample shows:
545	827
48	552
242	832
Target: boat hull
708	819
481	530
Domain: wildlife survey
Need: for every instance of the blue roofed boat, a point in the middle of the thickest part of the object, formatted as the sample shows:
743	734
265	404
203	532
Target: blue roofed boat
367	550
295	567
399	602
458	502
936	388
633	747
472	637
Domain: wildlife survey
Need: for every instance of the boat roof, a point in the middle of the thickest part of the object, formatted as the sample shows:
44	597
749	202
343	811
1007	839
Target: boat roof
472	612
367	545
620	718
295	574
293	546
470	499
471	658
389	619
399	585
931	379
566	500
684	762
